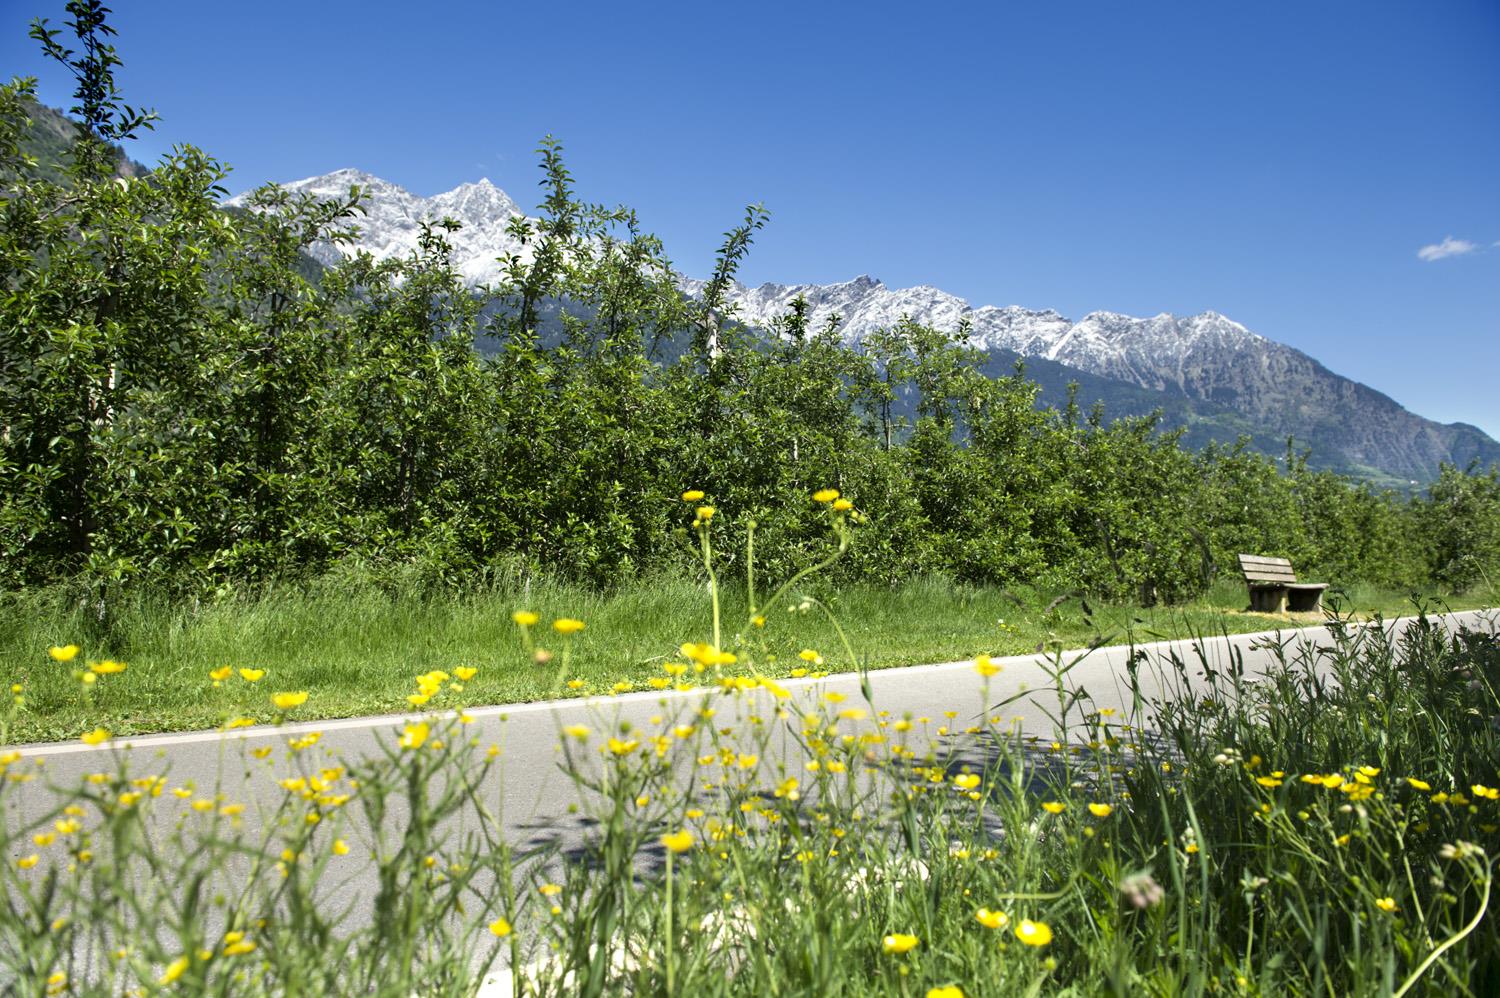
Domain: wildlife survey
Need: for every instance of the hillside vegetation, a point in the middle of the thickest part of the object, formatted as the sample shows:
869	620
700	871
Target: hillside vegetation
185	406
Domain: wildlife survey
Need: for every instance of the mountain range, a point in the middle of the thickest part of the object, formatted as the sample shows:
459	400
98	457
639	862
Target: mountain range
1205	373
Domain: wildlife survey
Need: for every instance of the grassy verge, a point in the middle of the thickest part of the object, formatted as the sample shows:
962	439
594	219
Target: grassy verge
1293	836
355	648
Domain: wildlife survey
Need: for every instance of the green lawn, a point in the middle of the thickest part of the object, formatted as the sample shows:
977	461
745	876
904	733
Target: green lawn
356	650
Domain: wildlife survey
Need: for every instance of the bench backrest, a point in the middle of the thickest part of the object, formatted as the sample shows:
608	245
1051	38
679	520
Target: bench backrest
1271	570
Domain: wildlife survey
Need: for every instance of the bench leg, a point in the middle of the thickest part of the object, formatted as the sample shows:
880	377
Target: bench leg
1308	602
1268	599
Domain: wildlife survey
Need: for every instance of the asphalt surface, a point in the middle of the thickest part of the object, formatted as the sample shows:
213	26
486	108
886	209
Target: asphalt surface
538	803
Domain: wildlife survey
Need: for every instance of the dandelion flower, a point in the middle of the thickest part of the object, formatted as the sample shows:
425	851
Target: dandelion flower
500	928
220	674
96	737
567	625
826	495
578	731
705	513
1417	784
1033	933
985	667
286	701
1053	807
63	653
108	667
27	862
1101	810
465	672
843	505
524	618
896	942
252	675
414	736
692	495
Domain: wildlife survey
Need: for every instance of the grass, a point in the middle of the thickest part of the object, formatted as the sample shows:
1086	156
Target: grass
1329	830
355	648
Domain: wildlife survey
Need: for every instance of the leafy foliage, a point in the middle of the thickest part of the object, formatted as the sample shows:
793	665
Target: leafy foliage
183	401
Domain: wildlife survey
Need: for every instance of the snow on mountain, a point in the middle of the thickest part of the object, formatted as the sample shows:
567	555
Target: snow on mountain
1206	357
1163	353
1156	353
393	215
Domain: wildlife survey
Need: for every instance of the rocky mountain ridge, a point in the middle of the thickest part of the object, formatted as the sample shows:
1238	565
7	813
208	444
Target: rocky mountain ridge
1213	366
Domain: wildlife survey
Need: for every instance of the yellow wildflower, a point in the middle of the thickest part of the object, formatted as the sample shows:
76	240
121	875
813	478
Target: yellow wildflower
252	675
896	942
174	970
966	781
96	737
286	701
414	736
1033	933
567	625
825	495
578	731
1101	810
679	841
220	674
1386	905
340	847
500	927
524	618
991	919
692	495
1053	806
465	672
985	667
64	653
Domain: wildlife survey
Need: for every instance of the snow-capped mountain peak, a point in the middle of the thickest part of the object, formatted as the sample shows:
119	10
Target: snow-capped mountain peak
1206	356
393	217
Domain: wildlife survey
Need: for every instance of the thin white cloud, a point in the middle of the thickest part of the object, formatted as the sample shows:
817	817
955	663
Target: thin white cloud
1448	247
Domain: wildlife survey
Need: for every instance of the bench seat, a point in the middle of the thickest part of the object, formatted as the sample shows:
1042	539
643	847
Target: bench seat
1274	587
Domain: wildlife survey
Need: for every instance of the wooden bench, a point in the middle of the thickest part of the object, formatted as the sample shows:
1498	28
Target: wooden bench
1274	587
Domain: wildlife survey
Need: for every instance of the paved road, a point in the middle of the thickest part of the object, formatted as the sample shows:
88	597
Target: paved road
536	797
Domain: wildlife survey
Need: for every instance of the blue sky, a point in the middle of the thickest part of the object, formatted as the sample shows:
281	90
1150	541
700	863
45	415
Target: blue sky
1282	163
